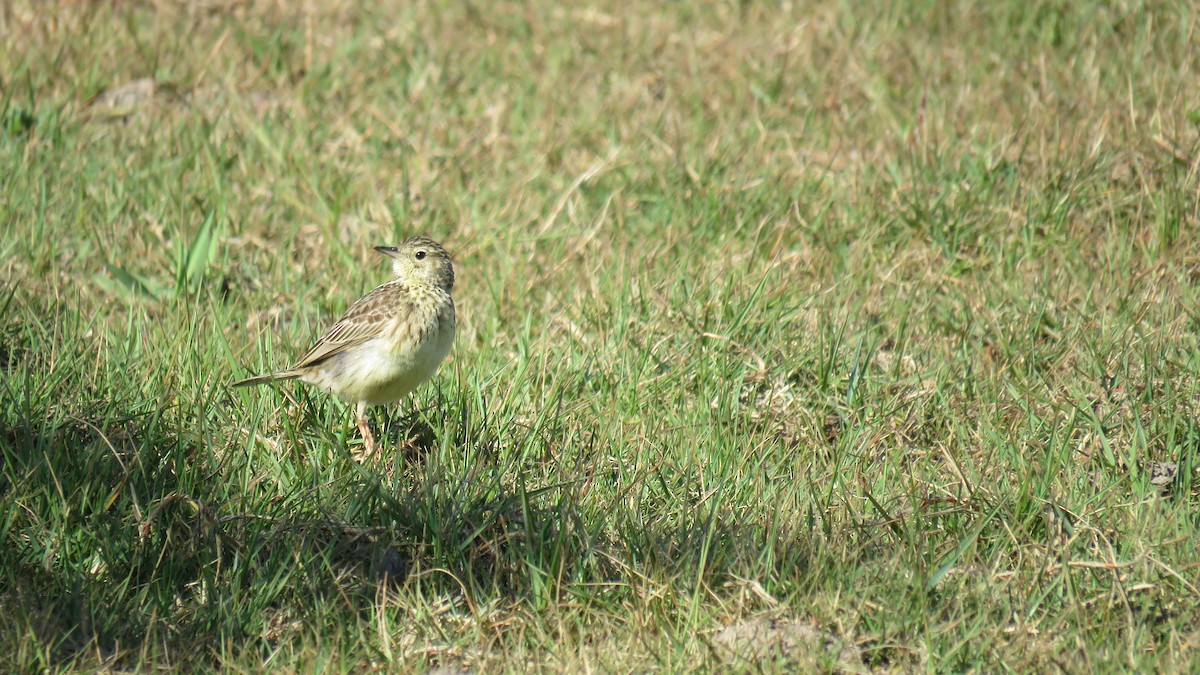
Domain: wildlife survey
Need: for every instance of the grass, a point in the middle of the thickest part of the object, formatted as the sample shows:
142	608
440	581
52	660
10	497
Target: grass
867	327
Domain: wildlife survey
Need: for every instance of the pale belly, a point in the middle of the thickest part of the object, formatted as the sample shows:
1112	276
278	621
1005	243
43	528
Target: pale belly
376	373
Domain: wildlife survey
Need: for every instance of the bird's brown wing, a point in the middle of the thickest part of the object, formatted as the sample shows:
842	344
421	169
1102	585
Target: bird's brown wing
365	320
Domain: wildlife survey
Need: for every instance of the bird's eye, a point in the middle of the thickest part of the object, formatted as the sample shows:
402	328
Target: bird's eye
420	255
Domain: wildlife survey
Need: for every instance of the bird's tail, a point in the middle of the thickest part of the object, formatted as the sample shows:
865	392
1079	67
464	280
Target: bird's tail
264	379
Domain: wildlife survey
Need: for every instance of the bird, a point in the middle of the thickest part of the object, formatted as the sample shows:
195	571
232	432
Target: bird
389	341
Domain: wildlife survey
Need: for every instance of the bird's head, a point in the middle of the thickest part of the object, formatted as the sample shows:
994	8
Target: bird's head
421	261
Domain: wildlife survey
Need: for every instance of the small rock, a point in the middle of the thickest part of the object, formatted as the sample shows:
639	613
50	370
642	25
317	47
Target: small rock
1162	474
761	638
124	100
389	565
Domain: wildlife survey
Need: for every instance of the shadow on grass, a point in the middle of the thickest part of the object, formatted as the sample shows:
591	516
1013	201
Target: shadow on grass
122	541
126	541
74	577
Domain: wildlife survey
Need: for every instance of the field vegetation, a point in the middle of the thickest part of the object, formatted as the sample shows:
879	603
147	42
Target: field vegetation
793	336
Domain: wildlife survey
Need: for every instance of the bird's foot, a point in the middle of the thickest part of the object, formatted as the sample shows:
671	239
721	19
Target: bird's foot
368	447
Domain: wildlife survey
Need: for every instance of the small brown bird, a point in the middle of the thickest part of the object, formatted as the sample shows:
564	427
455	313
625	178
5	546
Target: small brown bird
391	340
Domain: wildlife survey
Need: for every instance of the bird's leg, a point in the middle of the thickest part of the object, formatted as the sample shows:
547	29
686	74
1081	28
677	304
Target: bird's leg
365	430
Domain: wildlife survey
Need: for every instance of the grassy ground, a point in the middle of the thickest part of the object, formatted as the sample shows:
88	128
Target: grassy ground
799	335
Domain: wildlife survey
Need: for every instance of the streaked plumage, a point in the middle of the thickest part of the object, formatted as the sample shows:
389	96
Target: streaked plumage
390	340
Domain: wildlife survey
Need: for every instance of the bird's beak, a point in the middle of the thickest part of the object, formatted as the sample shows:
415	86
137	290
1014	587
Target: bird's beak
389	251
